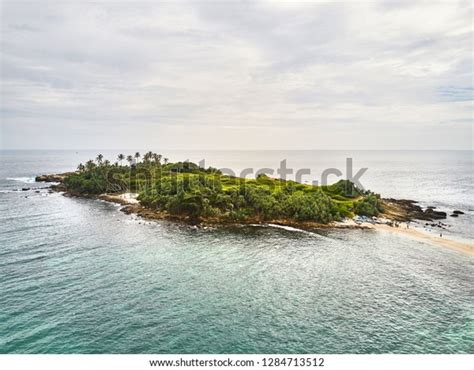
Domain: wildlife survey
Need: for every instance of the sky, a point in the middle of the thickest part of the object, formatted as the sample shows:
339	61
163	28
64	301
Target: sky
236	75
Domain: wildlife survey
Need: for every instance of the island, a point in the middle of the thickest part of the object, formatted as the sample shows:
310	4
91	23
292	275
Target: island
155	188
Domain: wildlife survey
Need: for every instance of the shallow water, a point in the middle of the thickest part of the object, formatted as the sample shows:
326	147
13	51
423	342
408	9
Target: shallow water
79	276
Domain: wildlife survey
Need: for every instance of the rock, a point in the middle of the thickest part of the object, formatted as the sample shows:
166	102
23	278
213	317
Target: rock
405	210
53	177
456	212
435	215
25	189
454	215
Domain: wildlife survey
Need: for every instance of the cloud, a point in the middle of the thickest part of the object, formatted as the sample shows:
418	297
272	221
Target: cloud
244	75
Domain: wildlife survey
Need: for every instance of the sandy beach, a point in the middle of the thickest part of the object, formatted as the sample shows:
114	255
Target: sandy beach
420	235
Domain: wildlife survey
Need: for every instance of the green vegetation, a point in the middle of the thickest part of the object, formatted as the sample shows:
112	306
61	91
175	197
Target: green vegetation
369	205
185	189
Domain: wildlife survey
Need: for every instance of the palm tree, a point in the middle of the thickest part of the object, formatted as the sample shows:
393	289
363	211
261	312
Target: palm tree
81	167
157	158
165	160
99	159
121	157
137	155
130	159
147	157
90	165
106	163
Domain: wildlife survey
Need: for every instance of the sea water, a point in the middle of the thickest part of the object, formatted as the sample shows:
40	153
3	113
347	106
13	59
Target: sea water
79	276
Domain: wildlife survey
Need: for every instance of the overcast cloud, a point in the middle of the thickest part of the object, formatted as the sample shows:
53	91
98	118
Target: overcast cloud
208	75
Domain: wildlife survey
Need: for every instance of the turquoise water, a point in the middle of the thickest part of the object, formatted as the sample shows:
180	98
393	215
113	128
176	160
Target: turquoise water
79	276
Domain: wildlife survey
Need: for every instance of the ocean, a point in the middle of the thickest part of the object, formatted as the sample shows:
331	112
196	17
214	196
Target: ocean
79	276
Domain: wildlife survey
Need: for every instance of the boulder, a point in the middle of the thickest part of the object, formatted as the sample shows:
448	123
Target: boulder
435	215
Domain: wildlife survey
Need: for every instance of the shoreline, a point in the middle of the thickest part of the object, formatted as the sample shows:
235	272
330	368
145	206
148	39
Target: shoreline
419	235
132	206
398	213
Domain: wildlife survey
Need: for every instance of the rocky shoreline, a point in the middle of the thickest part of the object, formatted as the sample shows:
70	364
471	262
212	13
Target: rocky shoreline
407	210
395	211
152	214
136	208
396	217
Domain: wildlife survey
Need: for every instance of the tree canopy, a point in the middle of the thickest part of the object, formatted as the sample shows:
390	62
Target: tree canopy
184	188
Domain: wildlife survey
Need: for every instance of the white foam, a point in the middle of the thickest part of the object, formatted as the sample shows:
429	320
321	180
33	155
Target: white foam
26	180
293	229
289	228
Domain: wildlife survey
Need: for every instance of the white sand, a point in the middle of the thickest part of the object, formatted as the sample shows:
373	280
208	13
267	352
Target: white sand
462	246
130	198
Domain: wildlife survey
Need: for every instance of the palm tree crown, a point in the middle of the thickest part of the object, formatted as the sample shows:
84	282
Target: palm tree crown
90	165
121	157
148	156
